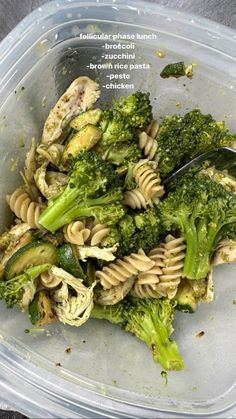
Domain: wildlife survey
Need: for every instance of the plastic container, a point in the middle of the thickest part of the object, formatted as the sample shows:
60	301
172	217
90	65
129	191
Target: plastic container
109	373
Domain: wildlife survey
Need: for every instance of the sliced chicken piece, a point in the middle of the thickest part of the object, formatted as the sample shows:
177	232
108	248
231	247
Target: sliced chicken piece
79	97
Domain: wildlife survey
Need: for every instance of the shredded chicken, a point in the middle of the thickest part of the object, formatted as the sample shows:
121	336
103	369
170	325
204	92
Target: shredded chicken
13	235
47	183
107	254
28	296
73	302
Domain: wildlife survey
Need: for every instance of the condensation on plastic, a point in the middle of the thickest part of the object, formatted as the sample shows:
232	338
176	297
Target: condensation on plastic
109	373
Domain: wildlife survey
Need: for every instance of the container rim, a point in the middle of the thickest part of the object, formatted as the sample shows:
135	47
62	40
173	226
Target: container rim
27	24
11	374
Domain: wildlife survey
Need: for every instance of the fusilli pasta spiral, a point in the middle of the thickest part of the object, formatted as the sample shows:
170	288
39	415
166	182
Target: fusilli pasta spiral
85	232
169	259
76	232
123	269
148	180
174	261
25	209
51	154
147	140
135	199
145	291
49	280
98	234
153	128
148	145
152	276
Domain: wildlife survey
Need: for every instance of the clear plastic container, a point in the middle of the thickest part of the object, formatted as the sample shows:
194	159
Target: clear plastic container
109	373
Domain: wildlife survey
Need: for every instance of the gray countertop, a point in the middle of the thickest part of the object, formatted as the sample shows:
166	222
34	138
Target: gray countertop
12	11
222	11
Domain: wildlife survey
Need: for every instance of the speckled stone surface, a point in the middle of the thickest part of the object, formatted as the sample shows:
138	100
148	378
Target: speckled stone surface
12	11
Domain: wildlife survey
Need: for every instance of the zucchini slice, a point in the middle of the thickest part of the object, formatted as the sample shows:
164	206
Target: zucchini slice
186	301
69	261
34	253
84	139
92	117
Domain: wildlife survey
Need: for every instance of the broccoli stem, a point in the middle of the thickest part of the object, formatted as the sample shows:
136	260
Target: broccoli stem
149	321
109	313
190	233
200	245
51	218
164	350
206	247
53	223
64	210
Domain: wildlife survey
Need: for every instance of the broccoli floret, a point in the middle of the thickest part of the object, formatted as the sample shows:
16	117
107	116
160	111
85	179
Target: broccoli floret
149	320
204	212
177	70
20	290
91	192
182	138
136	109
115	128
135	231
126	153
148	229
130	182
122	234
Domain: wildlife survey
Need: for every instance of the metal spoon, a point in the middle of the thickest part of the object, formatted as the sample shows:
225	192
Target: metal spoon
223	158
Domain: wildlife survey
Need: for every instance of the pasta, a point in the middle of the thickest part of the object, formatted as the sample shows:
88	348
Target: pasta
84	232
153	129
174	256
149	277
135	199
113	295
49	280
25	209
148	145
76	232
147	140
163	279
98	234
157	254
123	269
51	154
148	180
145	291
152	276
